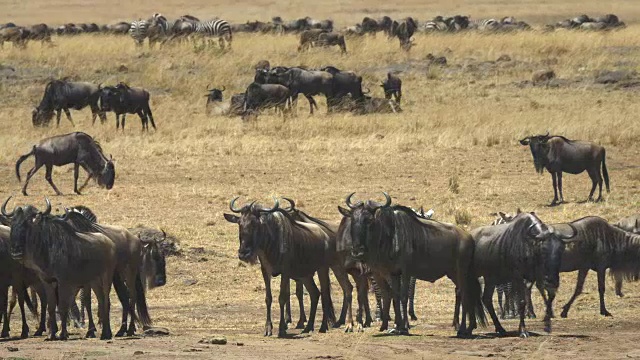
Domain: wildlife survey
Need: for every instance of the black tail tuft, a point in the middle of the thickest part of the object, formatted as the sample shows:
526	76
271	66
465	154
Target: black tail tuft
605	173
141	304
23	158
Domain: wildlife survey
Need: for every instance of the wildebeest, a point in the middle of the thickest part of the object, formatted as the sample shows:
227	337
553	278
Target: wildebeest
16	35
309	38
523	249
392	86
62	95
558	154
263	96
301	81
397	244
77	148
404	30
120	28
40	32
52	248
327	39
344	83
214	95
123	100
291	249
630	224
138	264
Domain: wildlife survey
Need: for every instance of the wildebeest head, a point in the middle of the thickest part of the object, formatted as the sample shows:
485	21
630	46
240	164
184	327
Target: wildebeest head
252	229
154	264
107	95
371	225
107	176
539	150
24	222
214	94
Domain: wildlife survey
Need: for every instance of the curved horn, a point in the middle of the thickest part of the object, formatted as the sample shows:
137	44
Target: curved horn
231	207
47	211
4	208
388	203
164	235
292	204
223	88
274	208
529	230
349	204
64	217
366	92
567	237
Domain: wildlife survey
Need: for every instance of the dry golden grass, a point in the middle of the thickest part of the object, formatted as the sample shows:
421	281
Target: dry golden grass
454	149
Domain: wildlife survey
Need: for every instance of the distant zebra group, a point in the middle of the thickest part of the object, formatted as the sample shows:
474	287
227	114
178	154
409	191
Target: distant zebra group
160	30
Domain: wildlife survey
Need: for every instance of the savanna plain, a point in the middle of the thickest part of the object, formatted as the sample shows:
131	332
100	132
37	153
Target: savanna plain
454	148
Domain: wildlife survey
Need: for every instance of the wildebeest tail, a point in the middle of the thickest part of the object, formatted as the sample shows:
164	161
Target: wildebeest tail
141	304
25	156
30	304
473	296
605	173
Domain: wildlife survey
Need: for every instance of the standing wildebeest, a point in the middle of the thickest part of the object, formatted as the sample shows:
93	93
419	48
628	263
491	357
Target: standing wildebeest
132	256
301	81
558	154
124	100
57	253
62	95
344	83
309	38
397	244
16	35
392	86
291	249
263	96
523	249
40	32
404	30
77	148
630	224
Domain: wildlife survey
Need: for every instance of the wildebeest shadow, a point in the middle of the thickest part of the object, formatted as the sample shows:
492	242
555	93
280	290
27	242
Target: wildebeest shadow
509	334
574	336
386	334
293	336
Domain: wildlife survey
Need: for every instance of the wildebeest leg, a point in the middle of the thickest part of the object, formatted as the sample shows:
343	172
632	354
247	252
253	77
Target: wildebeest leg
49	169
314	295
88	177
518	289
3	309
404	298
549	310
328	314
65	296
143	120
149	114
555	188
29	175
287	313
118	122
124	118
560	186
21	290
500	291
487	299
385	292
102	288
283	299
43	310
599	178
362	289
68	113
541	290
618	278
456	310
85	299
530	313
58	114
601	288
582	275
347	290
268	327
396	291
300	295
312	102
76	173
412	293
594	183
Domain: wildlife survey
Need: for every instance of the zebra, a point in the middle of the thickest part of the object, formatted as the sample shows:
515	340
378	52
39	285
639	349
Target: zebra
159	29
435	26
484	24
139	31
215	28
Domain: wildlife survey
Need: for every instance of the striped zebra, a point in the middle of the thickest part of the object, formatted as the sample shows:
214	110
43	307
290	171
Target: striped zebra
484	24
435	26
139	31
215	28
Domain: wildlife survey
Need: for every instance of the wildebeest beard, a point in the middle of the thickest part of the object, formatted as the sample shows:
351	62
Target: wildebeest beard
539	156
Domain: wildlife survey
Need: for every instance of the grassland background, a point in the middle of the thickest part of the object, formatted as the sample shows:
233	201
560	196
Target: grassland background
460	126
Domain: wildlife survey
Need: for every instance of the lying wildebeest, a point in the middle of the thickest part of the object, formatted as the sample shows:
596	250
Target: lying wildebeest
309	38
558	154
374	105
523	249
404	30
62	95
327	39
16	35
77	148
264	96
60	255
213	96
392	86
397	244
123	100
137	263
290	249
301	81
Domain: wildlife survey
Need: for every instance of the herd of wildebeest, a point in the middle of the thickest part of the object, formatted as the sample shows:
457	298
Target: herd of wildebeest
381	245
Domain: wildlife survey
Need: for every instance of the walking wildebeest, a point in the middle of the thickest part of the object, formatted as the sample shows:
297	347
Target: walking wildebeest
291	249
19	36
404	30
77	148
392	86
123	100
62	95
309	38
523	249
558	154
397	244
40	32
52	248
133	258
301	81
327	39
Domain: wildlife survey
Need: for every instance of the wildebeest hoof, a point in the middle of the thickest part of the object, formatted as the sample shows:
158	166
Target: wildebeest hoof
605	313
106	336
564	313
501	331
300	324
268	330
120	332
91	334
531	316
307	330
24	334
51	338
524	334
38	332
4	335
282	333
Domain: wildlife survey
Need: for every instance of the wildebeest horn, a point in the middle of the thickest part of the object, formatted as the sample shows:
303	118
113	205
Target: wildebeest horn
164	235
366	92
223	88
349	204
292	204
274	208
529	231
4	208
568	238
233	201
65	217
47	211
388	200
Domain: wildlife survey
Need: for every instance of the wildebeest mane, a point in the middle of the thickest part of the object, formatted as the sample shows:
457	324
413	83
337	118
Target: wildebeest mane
411	230
511	244
82	223
343	237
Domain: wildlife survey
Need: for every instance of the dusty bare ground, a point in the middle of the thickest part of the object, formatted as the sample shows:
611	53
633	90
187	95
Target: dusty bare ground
454	148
